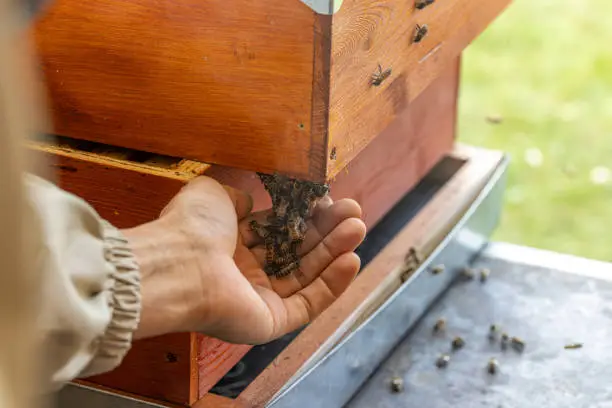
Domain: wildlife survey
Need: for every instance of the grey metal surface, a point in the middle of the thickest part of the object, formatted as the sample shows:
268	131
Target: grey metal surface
548	308
78	396
324	6
334	379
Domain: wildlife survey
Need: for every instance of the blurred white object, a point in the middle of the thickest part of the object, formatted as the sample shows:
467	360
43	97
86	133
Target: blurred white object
600	175
534	157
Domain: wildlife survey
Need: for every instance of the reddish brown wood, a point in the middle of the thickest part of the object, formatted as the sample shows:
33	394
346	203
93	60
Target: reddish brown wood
266	86
216	401
223	82
215	358
425	230
371	32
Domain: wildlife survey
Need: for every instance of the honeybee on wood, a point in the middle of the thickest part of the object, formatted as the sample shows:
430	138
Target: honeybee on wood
420	32
421	4
379	76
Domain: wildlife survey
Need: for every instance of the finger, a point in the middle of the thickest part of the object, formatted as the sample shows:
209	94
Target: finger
325	220
308	303
322	204
250	238
344	238
243	201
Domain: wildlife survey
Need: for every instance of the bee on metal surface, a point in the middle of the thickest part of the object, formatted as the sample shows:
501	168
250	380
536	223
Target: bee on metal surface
518	344
504	340
492	366
379	76
413	256
397	384
573	346
438	269
440	325
457	343
493	330
442	361
468	273
484	274
420	32
421	4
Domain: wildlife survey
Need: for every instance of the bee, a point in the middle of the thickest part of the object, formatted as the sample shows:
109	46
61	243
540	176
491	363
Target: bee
573	346
413	256
270	255
440	325
379	76
438	269
493	330
421	4
484	274
281	209
321	190
492	366
287	269
397	384
468	273
259	229
284	248
518	344
419	33
457	343
285	258
442	361
504	340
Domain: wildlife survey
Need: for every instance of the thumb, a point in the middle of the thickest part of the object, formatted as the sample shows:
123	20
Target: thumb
243	201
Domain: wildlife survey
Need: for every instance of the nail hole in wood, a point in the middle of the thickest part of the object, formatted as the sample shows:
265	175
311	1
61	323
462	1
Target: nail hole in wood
171	357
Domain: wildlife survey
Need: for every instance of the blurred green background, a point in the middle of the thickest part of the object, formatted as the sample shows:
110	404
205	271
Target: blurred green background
538	85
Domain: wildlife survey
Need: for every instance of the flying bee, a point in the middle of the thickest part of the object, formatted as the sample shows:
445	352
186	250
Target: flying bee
443	361
419	33
440	325
492	366
518	344
573	346
379	76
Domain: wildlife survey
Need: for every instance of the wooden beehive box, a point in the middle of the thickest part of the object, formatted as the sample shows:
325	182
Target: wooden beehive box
261	85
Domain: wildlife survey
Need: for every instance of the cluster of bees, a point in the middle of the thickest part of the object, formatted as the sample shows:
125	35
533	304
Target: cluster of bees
284	231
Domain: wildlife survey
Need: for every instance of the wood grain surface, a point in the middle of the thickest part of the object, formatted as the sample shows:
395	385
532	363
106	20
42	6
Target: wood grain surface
371	32
421	232
218	81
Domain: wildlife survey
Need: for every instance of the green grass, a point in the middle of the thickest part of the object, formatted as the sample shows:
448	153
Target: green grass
545	66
